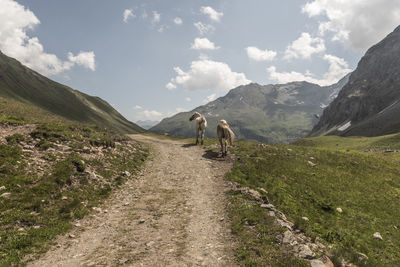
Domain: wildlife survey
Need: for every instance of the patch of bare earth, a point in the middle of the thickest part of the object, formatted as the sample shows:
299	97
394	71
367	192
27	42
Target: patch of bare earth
173	214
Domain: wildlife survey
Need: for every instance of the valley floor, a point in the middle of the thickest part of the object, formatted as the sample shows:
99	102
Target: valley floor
173	214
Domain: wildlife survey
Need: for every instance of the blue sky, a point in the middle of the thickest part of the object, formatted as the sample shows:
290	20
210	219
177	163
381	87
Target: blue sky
151	59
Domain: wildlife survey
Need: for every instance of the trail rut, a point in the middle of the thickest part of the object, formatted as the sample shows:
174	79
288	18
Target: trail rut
172	214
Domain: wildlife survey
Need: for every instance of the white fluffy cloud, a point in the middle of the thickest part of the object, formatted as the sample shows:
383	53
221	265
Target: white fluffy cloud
257	54
137	107
170	86
178	21
128	13
188	99
156	17
214	15
304	47
152	115
204	28
203	44
85	59
209	75
338	68
15	21
360	23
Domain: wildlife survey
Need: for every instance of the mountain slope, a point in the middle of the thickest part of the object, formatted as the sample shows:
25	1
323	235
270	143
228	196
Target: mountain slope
270	113
25	85
370	102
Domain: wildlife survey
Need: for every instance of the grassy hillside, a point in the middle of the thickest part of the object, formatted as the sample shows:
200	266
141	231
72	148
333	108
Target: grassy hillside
53	171
365	185
22	84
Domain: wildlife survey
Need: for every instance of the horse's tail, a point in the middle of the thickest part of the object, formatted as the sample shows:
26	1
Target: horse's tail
229	135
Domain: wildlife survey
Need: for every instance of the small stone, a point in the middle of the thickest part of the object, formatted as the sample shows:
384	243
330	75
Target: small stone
305	218
2	187
123	260
142	221
312	164
221	219
289	149
6	195
71	236
268	207
126	204
324	261
77	224
263	190
288	238
126	173
312	158
58	246
305	252
64	198
271	213
377	235
339	210
284	224
21	229
149	244
36	226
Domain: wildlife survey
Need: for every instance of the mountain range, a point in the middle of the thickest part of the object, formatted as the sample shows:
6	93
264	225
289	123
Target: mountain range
269	113
19	83
369	104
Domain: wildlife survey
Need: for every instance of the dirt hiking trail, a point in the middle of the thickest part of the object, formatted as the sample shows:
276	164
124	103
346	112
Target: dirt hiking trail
172	214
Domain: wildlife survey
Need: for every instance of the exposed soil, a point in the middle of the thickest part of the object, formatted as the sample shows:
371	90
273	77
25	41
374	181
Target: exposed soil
172	214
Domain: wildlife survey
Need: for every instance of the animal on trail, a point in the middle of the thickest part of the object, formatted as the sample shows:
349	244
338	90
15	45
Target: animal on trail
200	125
224	132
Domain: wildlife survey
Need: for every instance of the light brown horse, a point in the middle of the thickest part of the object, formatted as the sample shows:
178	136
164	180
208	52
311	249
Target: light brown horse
201	124
224	132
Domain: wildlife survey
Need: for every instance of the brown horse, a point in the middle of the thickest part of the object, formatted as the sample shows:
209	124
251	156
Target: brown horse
223	131
201	124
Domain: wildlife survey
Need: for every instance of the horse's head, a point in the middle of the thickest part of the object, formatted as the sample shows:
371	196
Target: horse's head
194	116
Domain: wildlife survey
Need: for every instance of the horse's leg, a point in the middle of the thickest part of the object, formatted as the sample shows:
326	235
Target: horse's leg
222	146
197	136
202	136
226	149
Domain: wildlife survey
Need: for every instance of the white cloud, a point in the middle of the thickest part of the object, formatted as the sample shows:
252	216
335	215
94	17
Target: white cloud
156	17
15	22
170	86
137	107
128	13
85	59
209	75
360	23
153	115
188	99
214	15
338	68
178	21
204	28
203	44
210	98
257	54
304	47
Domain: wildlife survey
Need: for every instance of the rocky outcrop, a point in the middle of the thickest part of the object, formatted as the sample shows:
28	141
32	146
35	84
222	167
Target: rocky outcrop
369	104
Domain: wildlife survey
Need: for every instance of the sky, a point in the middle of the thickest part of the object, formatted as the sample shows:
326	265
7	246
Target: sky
151	59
